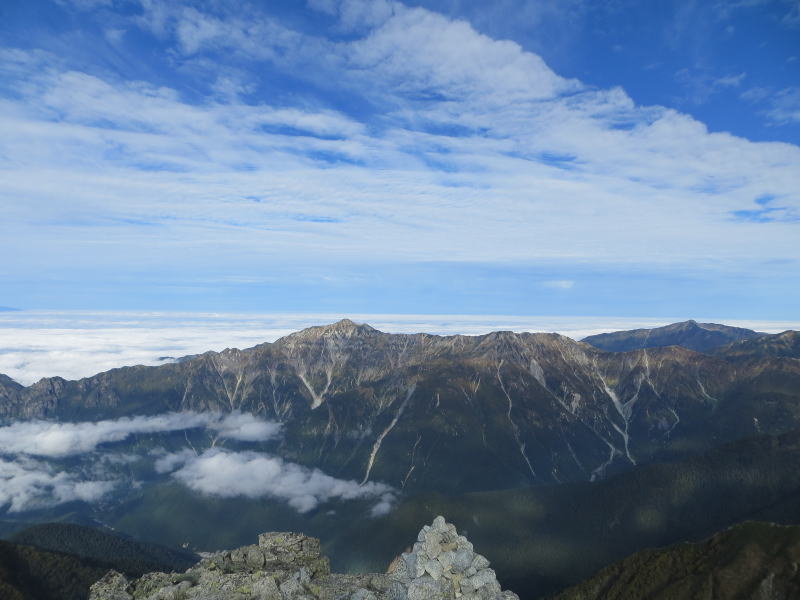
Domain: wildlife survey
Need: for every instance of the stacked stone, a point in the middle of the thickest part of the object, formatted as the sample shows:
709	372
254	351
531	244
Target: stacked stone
443	565
289	566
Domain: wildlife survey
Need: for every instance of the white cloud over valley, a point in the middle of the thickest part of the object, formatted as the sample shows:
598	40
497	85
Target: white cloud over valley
218	472
28	483
52	439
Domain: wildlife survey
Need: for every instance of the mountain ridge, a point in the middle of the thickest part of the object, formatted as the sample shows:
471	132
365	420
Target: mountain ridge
528	408
701	337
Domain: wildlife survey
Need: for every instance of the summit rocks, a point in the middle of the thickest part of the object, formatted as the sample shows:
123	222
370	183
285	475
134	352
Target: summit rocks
289	566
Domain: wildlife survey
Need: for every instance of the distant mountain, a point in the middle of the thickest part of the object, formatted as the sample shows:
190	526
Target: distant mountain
7	309
750	560
129	555
701	337
455	413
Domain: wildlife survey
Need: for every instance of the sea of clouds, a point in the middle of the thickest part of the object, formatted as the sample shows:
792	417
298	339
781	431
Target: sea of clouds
36	344
33	474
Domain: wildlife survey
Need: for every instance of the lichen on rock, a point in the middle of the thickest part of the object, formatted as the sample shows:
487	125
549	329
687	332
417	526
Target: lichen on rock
288	566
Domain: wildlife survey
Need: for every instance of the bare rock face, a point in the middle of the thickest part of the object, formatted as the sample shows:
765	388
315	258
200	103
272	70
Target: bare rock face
289	566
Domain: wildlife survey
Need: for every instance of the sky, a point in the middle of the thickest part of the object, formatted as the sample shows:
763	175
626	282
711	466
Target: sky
543	157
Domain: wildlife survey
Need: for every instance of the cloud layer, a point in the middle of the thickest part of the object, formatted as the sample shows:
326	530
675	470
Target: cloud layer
36	344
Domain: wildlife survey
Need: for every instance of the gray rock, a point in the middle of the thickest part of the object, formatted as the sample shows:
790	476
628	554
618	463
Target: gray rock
420	563
425	588
433	544
482	578
397	591
434	569
446	559
112	586
362	594
288	566
410	560
462	560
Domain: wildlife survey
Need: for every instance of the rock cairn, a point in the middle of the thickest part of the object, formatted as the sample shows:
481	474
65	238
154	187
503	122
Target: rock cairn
288	566
443	564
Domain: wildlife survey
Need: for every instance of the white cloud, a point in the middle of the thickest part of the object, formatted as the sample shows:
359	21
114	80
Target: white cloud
167	463
785	105
227	474
51	439
244	427
559	284
540	168
781	107
27	484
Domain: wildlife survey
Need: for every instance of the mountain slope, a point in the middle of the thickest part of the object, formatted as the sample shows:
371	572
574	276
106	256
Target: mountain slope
701	337
405	409
60	561
28	573
129	555
539	539
781	345
750	560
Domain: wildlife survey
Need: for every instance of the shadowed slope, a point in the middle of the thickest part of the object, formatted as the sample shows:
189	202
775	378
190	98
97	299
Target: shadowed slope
751	560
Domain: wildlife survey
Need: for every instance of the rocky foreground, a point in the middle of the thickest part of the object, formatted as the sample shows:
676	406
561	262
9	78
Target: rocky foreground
289	566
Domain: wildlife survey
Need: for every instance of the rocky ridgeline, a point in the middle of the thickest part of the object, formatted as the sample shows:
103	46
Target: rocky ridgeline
289	566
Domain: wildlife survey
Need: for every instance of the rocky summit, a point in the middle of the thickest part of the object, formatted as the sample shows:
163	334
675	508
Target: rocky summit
288	566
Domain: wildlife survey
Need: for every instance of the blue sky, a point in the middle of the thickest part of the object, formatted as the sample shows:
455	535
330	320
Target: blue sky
543	157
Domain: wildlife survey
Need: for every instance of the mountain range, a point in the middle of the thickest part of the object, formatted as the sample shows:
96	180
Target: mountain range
527	408
558	457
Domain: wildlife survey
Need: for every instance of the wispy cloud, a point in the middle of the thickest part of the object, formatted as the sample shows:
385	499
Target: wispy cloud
218	472
52	439
559	284
27	484
781	107
450	160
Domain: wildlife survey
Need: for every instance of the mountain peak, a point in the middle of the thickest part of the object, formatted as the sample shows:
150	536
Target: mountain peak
347	328
344	328
700	337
